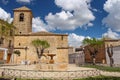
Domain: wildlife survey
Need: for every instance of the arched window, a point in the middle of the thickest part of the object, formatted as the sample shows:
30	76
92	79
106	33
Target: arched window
21	17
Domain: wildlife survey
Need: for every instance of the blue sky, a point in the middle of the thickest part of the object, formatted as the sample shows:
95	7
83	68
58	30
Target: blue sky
77	18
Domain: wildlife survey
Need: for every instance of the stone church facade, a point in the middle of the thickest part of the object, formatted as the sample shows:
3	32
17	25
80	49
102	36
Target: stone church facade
24	36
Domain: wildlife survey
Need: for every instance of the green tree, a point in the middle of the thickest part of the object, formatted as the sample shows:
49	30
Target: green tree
93	46
6	30
40	46
17	52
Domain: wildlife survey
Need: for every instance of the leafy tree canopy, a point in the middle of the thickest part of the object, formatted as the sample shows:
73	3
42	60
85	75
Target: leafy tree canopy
40	46
93	45
5	28
93	41
40	43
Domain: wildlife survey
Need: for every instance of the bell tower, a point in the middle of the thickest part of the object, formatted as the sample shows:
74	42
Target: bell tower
22	20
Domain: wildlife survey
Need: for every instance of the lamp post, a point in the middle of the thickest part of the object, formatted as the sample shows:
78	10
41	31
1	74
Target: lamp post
26	48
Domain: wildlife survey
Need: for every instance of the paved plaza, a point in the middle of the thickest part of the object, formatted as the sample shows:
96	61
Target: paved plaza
71	67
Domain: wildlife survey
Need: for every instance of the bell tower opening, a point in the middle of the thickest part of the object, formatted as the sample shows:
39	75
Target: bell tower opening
21	18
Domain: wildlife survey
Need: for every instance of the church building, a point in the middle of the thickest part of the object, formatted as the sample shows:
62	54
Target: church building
24	36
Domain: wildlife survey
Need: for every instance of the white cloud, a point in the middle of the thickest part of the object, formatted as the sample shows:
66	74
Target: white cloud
111	34
75	40
73	4
38	25
61	21
5	16
24	1
95	10
75	13
113	18
5	1
90	24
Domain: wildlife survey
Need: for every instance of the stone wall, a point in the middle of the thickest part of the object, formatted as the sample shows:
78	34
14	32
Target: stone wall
77	58
116	56
55	75
100	57
116	51
112	42
23	26
58	46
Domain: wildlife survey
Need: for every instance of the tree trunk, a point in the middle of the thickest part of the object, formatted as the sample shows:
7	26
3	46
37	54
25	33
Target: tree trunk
38	53
41	53
110	54
16	59
93	55
94	61
111	62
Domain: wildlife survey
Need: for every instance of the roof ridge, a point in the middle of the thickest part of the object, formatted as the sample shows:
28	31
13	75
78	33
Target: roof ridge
45	33
23	8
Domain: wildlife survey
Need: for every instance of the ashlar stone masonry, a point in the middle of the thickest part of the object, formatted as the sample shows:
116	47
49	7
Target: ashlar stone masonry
24	36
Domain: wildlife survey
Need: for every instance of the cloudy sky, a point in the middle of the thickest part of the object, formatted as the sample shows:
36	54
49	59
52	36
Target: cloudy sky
77	18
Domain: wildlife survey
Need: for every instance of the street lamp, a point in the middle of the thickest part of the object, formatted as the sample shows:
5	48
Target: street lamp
26	48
